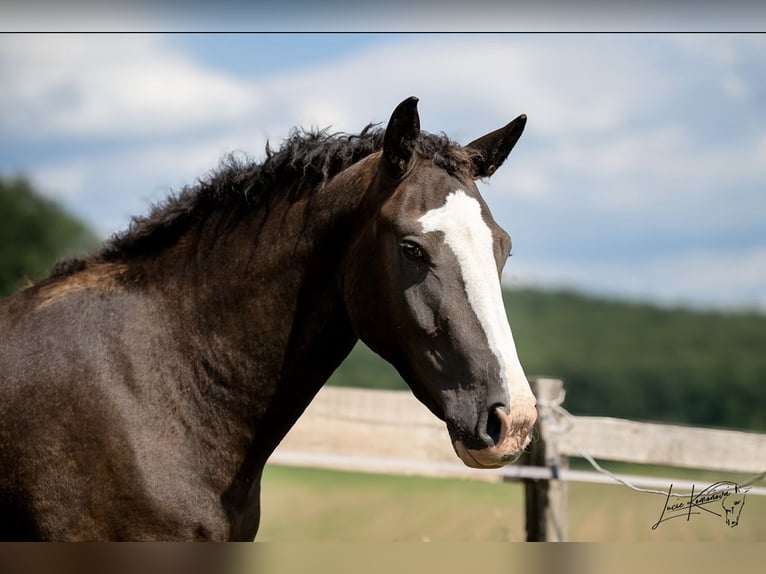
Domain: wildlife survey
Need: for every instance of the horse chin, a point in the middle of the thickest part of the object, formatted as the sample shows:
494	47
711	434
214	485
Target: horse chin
514	438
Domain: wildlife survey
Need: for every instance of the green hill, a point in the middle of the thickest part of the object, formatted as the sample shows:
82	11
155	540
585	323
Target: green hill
627	360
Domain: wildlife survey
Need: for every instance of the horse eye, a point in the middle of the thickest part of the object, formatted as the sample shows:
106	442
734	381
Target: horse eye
412	250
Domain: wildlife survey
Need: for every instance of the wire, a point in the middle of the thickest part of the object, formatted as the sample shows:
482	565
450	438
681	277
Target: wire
550	407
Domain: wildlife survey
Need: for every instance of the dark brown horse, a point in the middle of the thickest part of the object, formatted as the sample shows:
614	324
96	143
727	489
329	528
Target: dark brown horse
143	388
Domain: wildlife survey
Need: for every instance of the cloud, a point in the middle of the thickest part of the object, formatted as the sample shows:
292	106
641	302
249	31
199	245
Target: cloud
649	166
721	50
63	181
467	81
109	86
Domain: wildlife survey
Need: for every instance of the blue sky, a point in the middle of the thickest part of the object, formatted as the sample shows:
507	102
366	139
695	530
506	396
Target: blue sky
640	175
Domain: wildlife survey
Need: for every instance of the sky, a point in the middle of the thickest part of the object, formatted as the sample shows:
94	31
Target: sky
640	174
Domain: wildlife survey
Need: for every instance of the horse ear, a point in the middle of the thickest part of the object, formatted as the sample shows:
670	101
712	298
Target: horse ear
399	140
493	148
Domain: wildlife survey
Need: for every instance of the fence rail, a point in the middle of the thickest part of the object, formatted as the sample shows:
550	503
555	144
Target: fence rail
391	432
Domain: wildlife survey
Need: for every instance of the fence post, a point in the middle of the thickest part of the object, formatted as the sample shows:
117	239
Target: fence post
545	500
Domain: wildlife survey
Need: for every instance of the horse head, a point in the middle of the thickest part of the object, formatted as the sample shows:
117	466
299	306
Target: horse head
732	506
422	286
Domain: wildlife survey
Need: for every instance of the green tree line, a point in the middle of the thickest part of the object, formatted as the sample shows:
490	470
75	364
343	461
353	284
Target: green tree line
34	233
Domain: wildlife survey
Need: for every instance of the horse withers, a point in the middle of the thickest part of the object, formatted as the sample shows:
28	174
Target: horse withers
143	387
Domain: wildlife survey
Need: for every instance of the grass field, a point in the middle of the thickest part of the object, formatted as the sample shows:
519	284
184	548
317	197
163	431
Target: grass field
320	506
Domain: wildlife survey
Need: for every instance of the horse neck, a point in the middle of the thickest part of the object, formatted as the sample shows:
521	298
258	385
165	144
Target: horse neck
259	307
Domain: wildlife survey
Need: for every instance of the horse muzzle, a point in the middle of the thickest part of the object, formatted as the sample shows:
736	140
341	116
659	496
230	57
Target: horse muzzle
513	438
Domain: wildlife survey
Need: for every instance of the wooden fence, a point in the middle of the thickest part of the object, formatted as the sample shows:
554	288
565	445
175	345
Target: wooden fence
391	432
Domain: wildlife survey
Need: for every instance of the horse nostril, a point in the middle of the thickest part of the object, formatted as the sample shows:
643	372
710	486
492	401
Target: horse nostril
493	425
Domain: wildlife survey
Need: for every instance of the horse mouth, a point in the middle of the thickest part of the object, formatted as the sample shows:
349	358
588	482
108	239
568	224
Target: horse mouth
513	438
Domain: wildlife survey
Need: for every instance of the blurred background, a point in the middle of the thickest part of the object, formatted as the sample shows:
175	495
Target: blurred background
635	198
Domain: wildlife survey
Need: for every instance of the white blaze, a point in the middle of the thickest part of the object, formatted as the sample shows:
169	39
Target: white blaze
470	239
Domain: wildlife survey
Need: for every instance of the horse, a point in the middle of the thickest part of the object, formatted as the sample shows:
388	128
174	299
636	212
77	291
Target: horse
144	386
